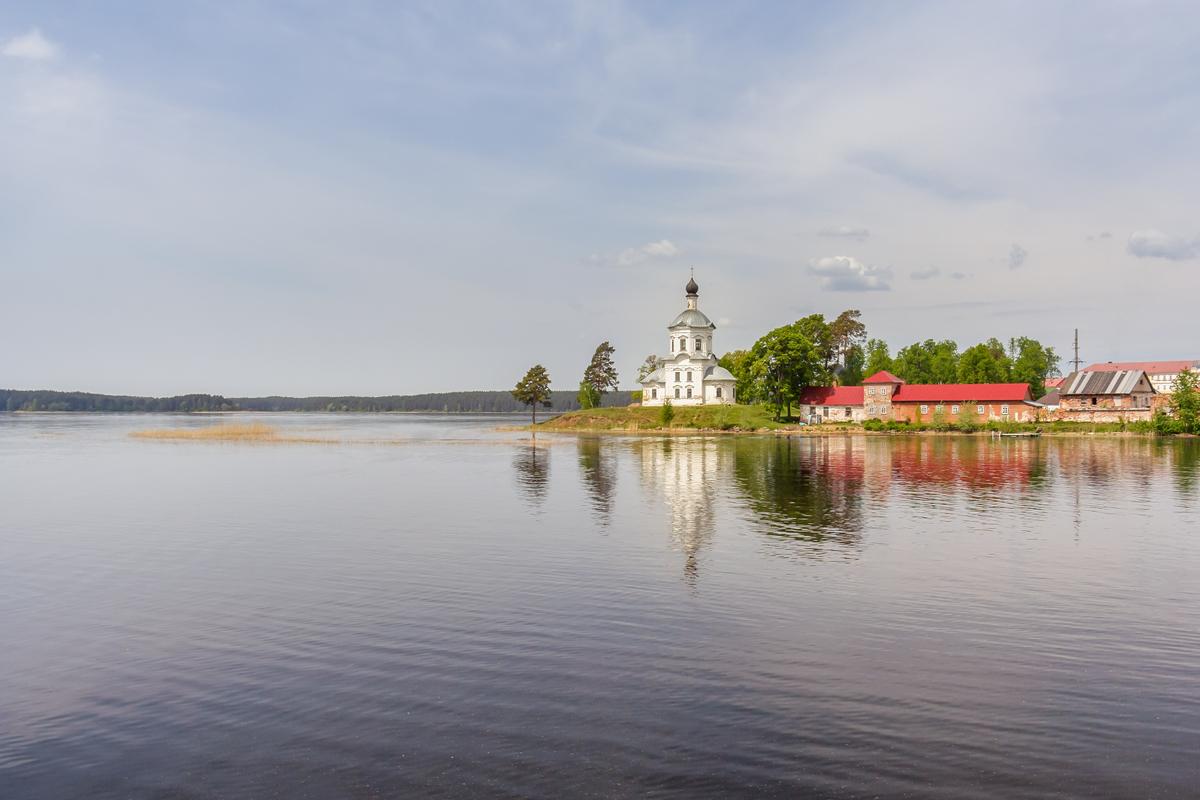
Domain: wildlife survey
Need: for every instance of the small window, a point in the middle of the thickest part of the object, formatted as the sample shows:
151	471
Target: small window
980	410
677	376
718	392
1004	411
682	343
676	392
699	345
654	394
924	409
953	409
1093	401
848	411
689	392
689	374
672	345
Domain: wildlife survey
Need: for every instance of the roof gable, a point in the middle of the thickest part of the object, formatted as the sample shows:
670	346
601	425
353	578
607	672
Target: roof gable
883	376
832	396
1119	382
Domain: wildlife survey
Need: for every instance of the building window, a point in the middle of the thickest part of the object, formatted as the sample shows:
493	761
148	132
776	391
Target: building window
654	394
980	410
848	412
689	374
676	392
924	409
718	392
699	345
682	343
1004	411
953	409
677	376
689	392
1093	401
672	344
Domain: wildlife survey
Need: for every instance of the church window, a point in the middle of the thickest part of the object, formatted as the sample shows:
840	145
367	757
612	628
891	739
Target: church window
677	376
699	345
672	344
654	394
689	391
718	392
676	392
689	373
682	343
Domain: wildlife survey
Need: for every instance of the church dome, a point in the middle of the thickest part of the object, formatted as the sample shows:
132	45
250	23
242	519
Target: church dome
692	287
691	318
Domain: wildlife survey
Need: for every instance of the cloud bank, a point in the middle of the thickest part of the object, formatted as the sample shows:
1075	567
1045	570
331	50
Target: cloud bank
848	274
32	46
1150	243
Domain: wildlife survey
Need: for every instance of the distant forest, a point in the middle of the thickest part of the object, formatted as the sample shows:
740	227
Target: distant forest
444	402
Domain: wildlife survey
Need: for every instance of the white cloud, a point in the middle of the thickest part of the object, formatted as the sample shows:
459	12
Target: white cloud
848	274
856	233
31	46
663	248
1017	256
1156	244
924	274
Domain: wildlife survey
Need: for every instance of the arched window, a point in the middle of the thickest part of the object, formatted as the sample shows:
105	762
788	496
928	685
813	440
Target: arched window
677	376
718	392
682	343
689	373
699	345
676	392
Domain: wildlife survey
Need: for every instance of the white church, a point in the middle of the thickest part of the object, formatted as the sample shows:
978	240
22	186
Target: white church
689	375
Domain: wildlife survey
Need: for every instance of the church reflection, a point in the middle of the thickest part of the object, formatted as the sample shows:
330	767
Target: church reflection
531	467
684	473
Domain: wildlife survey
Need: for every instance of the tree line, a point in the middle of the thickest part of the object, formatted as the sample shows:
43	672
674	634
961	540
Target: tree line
443	402
814	351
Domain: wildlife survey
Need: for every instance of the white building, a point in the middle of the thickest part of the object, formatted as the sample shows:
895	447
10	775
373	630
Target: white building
688	375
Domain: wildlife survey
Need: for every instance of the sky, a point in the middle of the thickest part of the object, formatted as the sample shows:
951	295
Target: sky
384	198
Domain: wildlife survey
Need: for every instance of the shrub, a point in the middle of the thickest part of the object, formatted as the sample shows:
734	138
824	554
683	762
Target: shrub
635	396
666	413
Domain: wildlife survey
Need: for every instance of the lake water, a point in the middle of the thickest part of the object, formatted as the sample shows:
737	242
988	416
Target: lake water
434	608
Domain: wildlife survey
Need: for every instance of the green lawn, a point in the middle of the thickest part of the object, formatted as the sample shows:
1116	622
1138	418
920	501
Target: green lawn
636	418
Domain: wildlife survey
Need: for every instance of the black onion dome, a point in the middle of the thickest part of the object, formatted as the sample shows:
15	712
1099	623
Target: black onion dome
692	287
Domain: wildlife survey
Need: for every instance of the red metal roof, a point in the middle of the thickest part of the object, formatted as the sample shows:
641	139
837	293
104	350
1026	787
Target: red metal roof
1153	367
883	376
832	396
1052	383
962	393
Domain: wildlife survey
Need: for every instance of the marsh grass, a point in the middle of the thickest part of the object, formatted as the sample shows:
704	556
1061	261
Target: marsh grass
248	432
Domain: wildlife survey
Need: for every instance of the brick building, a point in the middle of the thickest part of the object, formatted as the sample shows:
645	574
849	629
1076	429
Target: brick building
884	396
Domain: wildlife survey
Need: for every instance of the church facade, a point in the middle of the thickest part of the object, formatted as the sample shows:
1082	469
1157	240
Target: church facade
689	374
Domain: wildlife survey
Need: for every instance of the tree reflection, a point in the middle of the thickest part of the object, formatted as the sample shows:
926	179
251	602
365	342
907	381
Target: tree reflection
597	465
531	466
803	488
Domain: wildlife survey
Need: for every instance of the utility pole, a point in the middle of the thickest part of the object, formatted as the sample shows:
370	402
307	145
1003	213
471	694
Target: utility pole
1076	362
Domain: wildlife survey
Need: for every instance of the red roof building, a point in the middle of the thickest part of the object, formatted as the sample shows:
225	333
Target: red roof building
884	396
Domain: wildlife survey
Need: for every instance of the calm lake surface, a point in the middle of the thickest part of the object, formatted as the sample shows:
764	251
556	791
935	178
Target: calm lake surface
434	608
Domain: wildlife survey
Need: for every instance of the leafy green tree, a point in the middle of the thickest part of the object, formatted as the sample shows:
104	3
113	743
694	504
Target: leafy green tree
981	364
648	366
601	374
818	331
928	362
588	396
879	358
1185	402
1032	363
738	363
852	367
784	362
534	389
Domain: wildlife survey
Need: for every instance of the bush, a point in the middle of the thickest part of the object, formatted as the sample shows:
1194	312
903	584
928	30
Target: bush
589	396
635	396
666	413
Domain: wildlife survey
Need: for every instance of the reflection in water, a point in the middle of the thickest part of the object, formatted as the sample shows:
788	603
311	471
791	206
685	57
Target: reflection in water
808	489
531	465
685	473
597	467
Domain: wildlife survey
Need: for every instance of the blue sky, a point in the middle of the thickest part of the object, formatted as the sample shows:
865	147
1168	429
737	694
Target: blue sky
368	198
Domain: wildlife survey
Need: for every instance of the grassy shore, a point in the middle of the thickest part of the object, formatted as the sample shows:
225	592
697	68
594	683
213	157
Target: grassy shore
759	418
